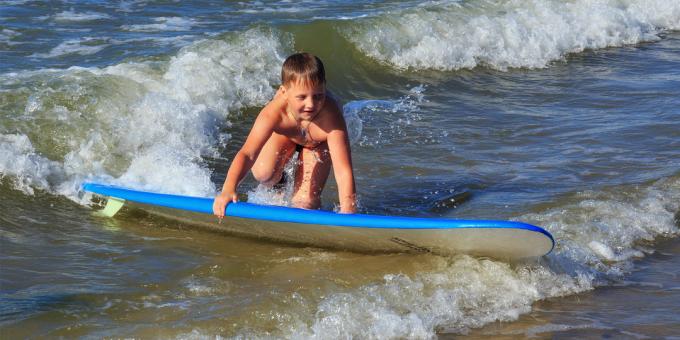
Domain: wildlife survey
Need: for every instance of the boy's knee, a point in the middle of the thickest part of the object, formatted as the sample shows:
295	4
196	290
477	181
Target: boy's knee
265	177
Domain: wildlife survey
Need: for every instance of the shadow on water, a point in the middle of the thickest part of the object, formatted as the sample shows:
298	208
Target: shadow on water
12	308
449	202
415	198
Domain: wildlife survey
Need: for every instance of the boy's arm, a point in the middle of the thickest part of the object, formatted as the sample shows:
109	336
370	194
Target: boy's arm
246	156
340	152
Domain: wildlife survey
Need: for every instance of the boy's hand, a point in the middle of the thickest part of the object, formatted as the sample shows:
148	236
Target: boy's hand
221	201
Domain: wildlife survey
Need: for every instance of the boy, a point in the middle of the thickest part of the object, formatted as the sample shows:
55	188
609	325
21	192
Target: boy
302	117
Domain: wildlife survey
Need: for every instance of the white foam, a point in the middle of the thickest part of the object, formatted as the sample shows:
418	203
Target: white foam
196	334
128	6
259	7
228	76
163	24
6	36
462	292
82	46
71	16
601	231
607	253
511	33
24	167
310	256
206	286
178	41
551	328
16	2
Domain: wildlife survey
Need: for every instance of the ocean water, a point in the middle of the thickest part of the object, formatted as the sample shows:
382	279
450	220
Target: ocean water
563	114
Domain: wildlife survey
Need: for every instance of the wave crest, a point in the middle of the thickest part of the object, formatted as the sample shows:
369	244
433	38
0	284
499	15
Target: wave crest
509	34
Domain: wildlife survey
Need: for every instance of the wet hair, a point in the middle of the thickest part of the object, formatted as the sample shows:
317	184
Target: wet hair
303	67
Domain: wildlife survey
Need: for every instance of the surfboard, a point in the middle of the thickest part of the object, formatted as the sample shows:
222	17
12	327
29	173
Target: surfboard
355	232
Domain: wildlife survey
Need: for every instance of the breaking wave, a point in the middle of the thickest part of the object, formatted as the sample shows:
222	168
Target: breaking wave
508	34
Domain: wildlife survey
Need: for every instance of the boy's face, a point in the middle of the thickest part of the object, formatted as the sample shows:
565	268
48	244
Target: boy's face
305	100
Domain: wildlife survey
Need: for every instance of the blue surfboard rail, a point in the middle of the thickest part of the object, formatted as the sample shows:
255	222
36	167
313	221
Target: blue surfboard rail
296	215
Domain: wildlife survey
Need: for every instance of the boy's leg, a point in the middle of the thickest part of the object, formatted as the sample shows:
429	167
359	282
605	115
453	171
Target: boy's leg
310	177
276	152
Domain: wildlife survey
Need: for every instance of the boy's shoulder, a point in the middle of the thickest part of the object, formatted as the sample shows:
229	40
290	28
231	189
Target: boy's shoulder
274	108
331	115
332	104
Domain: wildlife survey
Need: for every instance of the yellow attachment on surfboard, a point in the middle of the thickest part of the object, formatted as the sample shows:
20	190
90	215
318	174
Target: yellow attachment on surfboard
113	205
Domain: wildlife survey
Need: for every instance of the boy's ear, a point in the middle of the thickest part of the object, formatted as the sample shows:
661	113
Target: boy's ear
282	92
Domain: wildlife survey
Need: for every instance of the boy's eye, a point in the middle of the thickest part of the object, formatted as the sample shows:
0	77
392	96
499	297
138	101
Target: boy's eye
319	96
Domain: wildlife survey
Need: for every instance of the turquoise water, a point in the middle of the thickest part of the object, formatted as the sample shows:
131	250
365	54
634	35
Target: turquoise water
560	114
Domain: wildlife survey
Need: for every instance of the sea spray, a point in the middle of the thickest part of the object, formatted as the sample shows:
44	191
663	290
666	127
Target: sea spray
370	114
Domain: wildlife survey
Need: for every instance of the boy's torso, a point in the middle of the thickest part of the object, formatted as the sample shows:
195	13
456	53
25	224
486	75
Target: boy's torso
309	133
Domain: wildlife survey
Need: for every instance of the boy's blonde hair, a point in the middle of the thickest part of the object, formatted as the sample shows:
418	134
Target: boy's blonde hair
303	67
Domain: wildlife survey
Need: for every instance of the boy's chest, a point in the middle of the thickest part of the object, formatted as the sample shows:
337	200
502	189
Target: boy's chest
303	133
